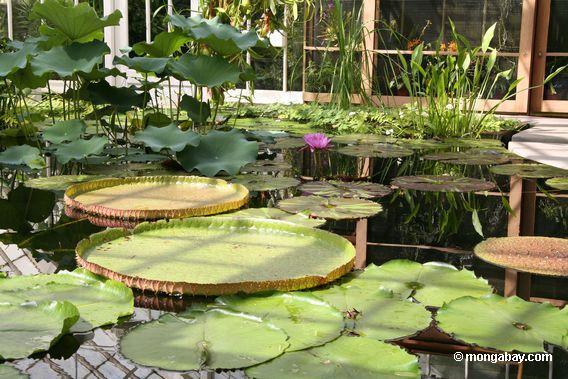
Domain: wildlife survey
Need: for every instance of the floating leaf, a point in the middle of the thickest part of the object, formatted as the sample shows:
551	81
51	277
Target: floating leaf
362	139
289	143
383	150
22	155
167	137
219	152
99	301
197	111
442	183
529	170
267	166
265	182
307	320
422	144
474	143
336	188
558	183
506	324
65	131
276	214
205	71
471	157
344	358
331	208
79	149
537	255
33	204
164	45
31	327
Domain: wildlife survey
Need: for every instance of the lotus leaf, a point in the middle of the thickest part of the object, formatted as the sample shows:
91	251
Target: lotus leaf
223	38
289	143
432	284
307	320
344	358
22	155
529	170
68	60
215	339
9	372
362	139
144	65
167	137
164	45
383	150
219	152
442	183
26	79
72	23
267	166
558	183
58	183
506	324
185	256
33	204
100	73
10	62
471	157
276	214
331	208
65	131
197	111
100	301
31	327
79	149
205	71
537	255
265	182
119	98
336	188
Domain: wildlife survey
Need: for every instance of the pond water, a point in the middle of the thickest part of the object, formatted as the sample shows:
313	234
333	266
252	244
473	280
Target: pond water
409	219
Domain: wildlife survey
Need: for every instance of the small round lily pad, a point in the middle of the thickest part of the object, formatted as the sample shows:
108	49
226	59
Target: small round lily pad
277	214
336	188
331	208
422	144
479	157
289	143
481	143
360	139
558	183
529	170
59	183
506	324
265	182
382	150
537	255
442	183
267	166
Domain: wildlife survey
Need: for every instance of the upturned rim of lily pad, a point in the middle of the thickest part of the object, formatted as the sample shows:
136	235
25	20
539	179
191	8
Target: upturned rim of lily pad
560	183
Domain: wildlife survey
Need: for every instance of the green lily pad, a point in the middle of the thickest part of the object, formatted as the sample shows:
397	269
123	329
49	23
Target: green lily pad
506	324
442	183
432	284
22	155
289	143
79	149
31	327
219	152
307	320
145	65
100	301
558	183
344	358
267	166
168	137
205	71
336	188
474	143
362	139
33	204
65	131
215	339
422	144
164	45
277	214
265	182
529	170
9	372
331	208
382	150
470	157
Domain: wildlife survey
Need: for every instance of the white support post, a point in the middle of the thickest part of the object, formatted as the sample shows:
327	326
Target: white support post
148	21
116	36
285	52
10	17
170	12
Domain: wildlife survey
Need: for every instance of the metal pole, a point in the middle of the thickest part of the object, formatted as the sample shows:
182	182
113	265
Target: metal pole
285	52
148	21
10	17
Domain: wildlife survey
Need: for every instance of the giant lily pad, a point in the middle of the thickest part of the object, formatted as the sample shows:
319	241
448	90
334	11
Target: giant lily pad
470	157
205	71
442	183
215	339
219	152
538	255
529	170
307	320
216	255
167	137
336	188
99	301
276	214
9	372
22	155
267	166
507	324
432	284
156	197
65	131
344	358
79	149
331	208
558	183
383	150
31	327
265	182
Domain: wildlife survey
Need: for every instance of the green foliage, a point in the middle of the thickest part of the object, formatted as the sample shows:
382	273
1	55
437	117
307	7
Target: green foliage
22	155
167	137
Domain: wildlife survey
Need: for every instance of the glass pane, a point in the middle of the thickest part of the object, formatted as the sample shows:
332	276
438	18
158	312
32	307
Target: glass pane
3	21
557	88
557	36
268	69
137	17
322	30
23	26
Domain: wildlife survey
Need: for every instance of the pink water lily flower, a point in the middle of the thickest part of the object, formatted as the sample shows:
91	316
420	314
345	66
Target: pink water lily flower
317	141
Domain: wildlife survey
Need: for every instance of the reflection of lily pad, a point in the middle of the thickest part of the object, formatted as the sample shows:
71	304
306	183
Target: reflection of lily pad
267	166
382	150
529	170
470	157
360	139
422	144
307	320
58	183
336	188
442	183
265	182
277	214
507	324
432	284
344	358
538	255
289	143
331	208
558	183
215	339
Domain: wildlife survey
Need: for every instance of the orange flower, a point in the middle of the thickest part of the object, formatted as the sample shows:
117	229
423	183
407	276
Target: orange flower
453	47
413	43
443	46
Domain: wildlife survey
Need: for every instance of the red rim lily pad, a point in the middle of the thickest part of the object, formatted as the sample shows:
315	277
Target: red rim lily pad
336	188
442	183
